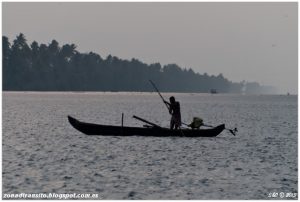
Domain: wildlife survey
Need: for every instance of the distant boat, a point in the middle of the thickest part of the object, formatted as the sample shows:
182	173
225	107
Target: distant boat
213	91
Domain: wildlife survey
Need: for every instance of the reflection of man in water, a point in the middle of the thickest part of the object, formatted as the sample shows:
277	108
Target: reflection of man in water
174	110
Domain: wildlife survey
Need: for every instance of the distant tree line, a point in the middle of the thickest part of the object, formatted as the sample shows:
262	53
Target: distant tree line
41	67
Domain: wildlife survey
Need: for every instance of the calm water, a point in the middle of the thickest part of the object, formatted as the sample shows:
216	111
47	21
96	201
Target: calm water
42	153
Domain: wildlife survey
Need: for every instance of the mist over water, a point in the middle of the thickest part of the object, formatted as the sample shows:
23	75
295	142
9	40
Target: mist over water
42	153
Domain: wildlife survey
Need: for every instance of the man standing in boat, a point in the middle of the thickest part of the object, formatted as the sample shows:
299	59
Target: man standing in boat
174	110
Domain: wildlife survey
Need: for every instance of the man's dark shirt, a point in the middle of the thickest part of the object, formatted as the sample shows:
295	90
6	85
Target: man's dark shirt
175	109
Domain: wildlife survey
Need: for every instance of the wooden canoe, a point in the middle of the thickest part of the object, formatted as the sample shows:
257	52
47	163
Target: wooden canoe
107	130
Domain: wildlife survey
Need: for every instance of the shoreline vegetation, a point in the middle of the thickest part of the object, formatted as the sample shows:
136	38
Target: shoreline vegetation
54	68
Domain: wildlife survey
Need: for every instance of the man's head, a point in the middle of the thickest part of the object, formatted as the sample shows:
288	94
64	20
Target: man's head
172	100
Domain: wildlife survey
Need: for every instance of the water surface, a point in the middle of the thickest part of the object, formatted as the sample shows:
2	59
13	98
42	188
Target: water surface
42	153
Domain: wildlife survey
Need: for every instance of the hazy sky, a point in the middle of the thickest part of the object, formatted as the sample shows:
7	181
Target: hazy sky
244	41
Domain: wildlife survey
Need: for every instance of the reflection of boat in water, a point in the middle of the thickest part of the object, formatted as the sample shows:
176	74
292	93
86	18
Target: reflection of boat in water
213	91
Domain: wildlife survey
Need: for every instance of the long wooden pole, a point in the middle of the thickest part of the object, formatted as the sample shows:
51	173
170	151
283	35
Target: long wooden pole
143	120
159	94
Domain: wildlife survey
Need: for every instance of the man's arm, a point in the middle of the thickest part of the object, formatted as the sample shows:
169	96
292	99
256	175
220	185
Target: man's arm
169	106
